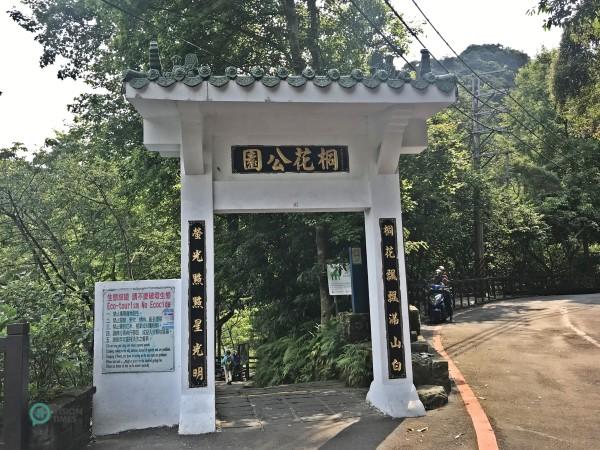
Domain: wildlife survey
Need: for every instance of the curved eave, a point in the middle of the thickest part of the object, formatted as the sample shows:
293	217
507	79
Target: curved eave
285	93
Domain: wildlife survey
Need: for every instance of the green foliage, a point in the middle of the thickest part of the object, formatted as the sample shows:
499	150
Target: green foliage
574	75
539	193
355	364
283	361
319	355
61	334
238	329
564	188
268	262
95	205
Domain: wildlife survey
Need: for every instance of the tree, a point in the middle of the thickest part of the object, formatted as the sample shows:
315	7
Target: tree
575	81
103	208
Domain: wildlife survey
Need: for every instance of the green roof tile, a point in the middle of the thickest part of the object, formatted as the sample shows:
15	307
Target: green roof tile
191	73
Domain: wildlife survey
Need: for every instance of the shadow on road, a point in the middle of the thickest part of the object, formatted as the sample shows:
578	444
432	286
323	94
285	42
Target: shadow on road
368	432
512	314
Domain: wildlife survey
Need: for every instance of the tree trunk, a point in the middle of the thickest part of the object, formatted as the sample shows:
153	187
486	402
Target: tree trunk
313	35
586	255
220	322
292	27
326	303
219	330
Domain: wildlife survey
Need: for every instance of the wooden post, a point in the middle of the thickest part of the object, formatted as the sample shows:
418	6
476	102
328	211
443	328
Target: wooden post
16	380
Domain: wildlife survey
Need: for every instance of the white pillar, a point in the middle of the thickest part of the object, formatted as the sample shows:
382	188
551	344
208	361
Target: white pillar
395	397
197	405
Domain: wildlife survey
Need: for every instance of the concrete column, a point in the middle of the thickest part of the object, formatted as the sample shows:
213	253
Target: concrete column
395	397
197	405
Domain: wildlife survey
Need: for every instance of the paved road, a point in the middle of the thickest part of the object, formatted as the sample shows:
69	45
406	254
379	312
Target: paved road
535	366
325	416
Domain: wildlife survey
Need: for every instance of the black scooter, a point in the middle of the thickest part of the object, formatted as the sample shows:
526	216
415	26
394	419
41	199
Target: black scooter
440	303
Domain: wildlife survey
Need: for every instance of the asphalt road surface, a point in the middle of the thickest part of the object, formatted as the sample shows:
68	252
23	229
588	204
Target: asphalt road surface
534	365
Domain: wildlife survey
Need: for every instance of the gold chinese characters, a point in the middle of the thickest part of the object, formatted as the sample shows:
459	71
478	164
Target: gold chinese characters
252	159
197	350
197	256
289	158
197	301
391	291
395	343
196	309
389	252
303	162
197	279
197	233
328	159
198	373
277	163
392	296
197	327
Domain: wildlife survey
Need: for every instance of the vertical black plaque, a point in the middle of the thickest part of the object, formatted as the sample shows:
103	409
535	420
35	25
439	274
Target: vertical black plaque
197	304
392	299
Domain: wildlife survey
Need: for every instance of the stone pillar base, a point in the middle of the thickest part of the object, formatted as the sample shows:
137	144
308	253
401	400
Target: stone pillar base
396	399
197	414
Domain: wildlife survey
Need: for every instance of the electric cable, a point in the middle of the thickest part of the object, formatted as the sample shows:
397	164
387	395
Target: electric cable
396	50
488	83
415	35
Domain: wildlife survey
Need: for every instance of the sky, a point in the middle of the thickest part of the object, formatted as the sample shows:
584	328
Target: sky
34	101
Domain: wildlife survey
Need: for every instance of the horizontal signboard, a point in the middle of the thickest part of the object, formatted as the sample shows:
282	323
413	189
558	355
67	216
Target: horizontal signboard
289	158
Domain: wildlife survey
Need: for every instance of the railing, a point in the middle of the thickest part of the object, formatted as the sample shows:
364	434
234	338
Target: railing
15	347
481	290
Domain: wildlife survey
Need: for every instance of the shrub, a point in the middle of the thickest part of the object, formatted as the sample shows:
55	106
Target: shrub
355	364
321	355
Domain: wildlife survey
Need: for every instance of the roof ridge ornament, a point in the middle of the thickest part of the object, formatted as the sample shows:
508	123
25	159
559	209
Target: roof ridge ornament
309	73
192	73
425	66
154	57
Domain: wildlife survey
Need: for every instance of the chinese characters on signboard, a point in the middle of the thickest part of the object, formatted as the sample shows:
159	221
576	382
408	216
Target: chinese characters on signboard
196	304
137	330
289	158
391	293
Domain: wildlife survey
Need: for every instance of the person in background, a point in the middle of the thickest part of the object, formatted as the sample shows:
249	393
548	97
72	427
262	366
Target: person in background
237	372
441	278
227	363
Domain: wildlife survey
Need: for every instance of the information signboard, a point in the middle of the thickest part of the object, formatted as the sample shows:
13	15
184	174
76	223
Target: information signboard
138	330
339	279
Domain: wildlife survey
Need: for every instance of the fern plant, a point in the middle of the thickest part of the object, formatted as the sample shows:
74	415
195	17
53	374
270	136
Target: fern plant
322	354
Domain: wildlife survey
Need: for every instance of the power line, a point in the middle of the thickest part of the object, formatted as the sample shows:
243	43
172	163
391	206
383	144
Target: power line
399	53
415	35
491	129
488	83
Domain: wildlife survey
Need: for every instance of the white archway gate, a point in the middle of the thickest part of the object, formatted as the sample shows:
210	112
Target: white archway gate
278	143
